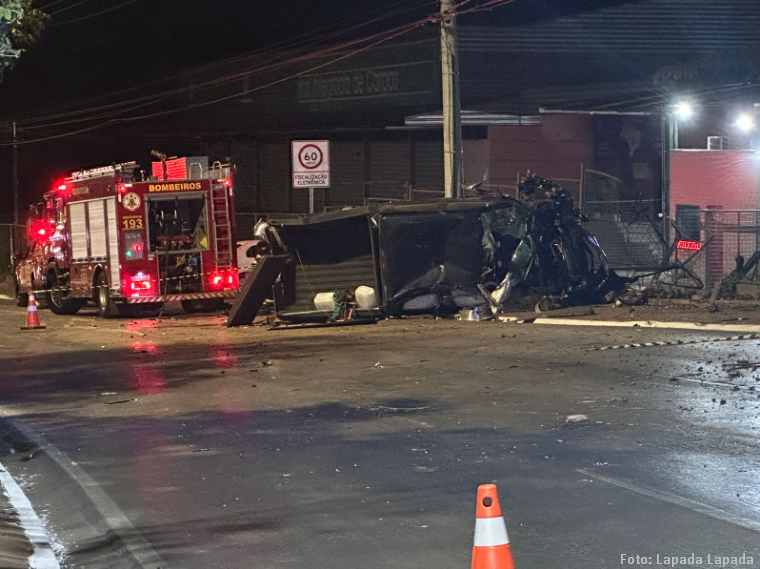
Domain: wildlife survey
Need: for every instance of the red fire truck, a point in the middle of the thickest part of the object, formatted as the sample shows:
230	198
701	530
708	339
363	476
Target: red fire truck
130	242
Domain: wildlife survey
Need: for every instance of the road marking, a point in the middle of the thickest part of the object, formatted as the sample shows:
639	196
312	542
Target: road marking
117	521
43	556
692	505
674	343
748	328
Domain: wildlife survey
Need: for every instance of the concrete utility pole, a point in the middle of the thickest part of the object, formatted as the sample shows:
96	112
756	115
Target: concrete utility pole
15	175
452	126
13	242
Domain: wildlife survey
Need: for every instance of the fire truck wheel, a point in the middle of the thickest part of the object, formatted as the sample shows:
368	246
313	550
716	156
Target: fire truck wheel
202	305
57	295
106	306
22	298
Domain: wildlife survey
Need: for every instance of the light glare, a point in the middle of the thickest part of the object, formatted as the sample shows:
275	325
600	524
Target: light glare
746	122
684	110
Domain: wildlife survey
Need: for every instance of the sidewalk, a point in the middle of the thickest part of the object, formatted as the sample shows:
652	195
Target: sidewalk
660	310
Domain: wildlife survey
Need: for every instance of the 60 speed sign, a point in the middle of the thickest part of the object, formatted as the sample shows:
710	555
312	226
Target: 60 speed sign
311	163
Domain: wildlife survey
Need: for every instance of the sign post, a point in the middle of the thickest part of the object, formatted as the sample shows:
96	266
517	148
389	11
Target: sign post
311	166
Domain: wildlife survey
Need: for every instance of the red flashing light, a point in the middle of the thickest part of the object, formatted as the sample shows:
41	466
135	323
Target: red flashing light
40	230
688	245
137	247
62	187
224	281
227	182
140	285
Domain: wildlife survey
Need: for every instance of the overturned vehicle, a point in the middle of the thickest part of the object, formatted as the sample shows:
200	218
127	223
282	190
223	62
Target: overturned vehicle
494	253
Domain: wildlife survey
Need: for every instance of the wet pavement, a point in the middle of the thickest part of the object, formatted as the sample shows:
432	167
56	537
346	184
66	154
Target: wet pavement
182	443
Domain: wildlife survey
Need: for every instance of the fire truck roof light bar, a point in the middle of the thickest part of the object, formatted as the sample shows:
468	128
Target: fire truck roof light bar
103	171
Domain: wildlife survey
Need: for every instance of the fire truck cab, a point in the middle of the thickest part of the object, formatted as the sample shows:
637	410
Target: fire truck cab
130	242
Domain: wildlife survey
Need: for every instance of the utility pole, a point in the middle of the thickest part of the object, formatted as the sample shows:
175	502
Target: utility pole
14	227
15	174
668	133
452	126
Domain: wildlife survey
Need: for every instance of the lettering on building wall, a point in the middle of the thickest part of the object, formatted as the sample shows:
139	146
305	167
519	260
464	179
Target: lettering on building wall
359	83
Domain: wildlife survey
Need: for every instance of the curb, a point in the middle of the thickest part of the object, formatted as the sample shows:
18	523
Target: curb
748	328
43	556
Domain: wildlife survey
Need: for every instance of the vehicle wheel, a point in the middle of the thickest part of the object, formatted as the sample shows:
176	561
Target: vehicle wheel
106	307
202	305
22	298
58	296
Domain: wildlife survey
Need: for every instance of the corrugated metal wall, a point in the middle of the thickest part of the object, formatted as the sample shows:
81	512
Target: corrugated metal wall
374	166
348	172
428	165
274	176
389	169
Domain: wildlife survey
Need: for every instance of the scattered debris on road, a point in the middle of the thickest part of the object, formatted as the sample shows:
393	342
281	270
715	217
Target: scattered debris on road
576	418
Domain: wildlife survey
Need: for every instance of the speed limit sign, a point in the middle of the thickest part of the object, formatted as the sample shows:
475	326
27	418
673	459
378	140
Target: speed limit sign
311	163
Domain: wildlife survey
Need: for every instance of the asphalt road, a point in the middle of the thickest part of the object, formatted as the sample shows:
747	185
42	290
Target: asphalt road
182	444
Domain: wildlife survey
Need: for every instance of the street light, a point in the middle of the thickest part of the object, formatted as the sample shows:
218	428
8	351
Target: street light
672	115
745	123
683	110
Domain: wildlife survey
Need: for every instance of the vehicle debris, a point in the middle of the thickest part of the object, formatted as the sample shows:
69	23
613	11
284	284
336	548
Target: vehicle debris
471	257
576	418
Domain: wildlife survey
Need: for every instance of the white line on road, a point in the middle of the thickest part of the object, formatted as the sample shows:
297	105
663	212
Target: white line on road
133	541
692	505
43	556
749	328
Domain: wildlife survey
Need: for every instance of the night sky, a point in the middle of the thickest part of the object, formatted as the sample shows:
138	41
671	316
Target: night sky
85	53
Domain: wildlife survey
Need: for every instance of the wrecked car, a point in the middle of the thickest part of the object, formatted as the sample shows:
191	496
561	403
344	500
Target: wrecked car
438	257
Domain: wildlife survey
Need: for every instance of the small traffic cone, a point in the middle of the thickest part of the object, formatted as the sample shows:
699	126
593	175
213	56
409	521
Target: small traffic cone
491	548
32	320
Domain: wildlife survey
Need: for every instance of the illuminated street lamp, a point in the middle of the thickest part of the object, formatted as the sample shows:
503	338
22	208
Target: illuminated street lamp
683	110
672	115
746	123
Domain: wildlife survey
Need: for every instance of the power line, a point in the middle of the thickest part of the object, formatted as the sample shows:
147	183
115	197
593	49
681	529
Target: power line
375	39
46	6
272	65
378	39
111	9
303	43
69	7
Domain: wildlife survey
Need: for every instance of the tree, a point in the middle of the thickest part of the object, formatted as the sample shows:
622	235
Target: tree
20	24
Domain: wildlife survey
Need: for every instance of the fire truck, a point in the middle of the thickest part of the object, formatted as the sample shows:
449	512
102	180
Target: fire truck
130	242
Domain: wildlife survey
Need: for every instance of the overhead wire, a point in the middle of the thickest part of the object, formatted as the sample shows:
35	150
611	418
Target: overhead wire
378	40
46	6
374	39
303	43
69	7
111	9
269	66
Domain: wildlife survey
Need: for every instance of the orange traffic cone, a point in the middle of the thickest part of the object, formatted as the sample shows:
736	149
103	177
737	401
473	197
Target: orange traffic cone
491	549
32	320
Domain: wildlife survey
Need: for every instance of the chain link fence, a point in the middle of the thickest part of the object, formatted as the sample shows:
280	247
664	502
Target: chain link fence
627	232
720	244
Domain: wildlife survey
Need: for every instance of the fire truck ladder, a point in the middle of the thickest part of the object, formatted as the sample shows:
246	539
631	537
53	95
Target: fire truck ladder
220	213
